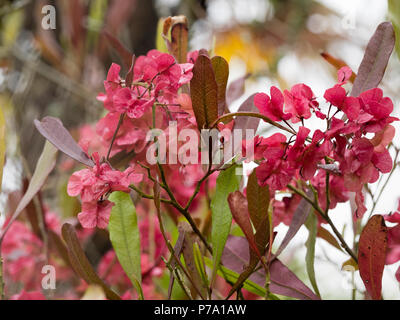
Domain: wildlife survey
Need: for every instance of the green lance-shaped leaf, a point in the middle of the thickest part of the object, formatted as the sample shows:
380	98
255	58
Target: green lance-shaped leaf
160	42
312	225
44	166
227	182
204	92
375	60
188	255
125	237
372	254
200	264
221	71
80	262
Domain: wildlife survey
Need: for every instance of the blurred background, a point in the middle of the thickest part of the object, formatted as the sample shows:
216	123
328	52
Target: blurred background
277	42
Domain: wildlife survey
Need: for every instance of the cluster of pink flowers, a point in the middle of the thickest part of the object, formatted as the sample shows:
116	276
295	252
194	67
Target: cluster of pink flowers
93	185
23	256
343	149
155	81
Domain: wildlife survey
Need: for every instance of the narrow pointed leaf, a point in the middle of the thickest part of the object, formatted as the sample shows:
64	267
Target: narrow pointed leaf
328	237
125	237
200	265
188	255
227	182
53	130
80	262
238	205
124	54
204	92
312	225
44	166
337	63
299	218
372	254
258	199
178	250
160	42
375	60
58	245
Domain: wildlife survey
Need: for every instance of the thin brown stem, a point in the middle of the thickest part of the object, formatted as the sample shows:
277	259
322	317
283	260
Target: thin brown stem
327	219
121	119
172	251
182	210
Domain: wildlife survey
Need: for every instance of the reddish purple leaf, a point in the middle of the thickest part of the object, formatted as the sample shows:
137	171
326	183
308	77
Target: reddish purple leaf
54	131
235	89
258	199
80	262
299	218
204	92
283	281
238	205
376	57
123	52
372	255
246	123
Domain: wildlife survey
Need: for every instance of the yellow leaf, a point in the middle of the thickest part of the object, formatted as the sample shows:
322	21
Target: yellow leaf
12	24
350	265
94	292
